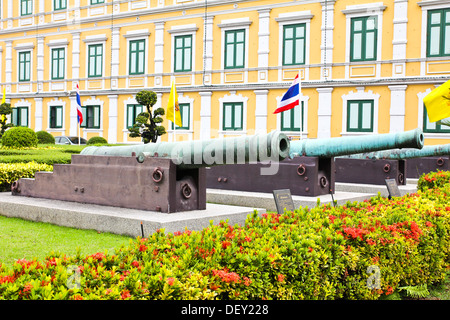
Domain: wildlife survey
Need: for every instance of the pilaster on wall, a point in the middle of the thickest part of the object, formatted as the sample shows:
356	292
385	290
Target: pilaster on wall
324	113
263	49
115	59
159	52
8	65
75	59
398	108
400	37
261	111
40	63
113	116
205	115
326	46
208	49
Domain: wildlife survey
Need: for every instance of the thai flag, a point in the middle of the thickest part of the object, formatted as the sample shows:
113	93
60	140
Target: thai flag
291	98
80	113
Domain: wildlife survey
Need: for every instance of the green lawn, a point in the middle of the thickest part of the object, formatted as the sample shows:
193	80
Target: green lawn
21	239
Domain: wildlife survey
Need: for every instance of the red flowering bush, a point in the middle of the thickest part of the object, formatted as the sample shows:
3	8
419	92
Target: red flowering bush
361	250
435	179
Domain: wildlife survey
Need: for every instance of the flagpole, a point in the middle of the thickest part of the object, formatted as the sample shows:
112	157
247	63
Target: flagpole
174	116
301	109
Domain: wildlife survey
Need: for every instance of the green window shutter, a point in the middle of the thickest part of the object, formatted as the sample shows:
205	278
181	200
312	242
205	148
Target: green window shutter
234	49
91	117
24	66
185	111
133	110
233	116
95	60
26	7
183	53
360	116
294	44
58	63
433	127
20	116
438	33
364	37
59	4
56	117
291	120
137	57
97	1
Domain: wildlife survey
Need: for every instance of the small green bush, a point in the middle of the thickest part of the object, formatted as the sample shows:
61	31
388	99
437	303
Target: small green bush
20	137
45	138
10	172
97	140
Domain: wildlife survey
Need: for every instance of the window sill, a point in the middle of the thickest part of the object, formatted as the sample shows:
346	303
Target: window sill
349	134
436	135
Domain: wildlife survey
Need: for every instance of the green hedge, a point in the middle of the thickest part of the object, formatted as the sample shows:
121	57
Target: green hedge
43	154
318	253
10	172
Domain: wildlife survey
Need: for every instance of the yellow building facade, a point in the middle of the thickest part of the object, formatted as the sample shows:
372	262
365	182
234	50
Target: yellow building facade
365	66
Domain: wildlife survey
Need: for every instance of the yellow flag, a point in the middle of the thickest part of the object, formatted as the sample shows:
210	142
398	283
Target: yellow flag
3	101
173	107
437	103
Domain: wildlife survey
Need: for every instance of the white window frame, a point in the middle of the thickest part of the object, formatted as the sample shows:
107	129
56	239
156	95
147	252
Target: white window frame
93	101
360	94
23	103
24	47
427	135
134	35
426	6
182	99
56	103
58	44
93	40
358	11
184	30
229	25
233	98
284	19
304	133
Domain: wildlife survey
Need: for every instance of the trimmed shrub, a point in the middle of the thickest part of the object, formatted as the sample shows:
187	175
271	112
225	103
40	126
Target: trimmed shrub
20	137
97	140
435	179
364	250
45	138
10	172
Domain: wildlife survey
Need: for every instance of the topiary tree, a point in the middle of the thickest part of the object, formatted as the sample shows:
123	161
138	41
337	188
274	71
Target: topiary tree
20	137
97	140
45	138
5	109
147	124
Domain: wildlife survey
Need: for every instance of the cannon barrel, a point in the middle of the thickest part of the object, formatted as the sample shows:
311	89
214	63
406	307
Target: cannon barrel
273	146
334	147
402	154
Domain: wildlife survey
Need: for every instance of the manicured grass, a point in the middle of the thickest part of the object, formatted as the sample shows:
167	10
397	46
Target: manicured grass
21	239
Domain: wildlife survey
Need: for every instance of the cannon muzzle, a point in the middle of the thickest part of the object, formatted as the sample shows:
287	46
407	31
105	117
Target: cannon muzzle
334	147
206	153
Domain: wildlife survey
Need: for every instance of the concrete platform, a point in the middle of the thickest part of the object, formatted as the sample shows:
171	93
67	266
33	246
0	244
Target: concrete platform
118	220
374	189
266	200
